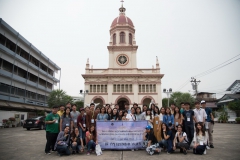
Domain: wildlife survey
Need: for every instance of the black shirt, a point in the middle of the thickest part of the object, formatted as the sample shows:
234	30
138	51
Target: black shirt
151	137
188	117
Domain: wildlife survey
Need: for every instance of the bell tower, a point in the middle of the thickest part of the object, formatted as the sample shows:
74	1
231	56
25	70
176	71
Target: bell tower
122	46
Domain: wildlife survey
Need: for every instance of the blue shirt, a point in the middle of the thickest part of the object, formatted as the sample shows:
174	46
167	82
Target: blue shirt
208	112
168	119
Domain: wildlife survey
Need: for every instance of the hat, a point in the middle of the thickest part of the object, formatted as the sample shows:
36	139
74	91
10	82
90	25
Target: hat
203	102
148	127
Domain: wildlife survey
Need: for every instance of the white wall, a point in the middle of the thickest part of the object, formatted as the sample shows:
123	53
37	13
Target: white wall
8	114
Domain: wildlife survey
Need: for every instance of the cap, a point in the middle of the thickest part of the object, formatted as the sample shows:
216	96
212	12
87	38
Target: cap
148	127
203	102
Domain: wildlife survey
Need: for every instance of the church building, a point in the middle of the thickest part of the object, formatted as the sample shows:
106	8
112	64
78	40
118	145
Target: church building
122	82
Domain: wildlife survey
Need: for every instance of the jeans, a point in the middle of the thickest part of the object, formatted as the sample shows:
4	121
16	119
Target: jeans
51	140
82	134
190	132
167	144
63	150
76	148
91	145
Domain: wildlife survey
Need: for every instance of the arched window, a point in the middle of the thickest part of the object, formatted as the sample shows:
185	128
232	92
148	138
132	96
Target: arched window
122	37
130	38
114	39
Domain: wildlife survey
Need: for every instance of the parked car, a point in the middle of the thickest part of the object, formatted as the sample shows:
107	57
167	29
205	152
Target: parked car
35	122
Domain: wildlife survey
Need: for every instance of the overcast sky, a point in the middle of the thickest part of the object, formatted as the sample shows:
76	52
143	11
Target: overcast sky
189	37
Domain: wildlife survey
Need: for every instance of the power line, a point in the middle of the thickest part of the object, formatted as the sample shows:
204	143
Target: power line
217	67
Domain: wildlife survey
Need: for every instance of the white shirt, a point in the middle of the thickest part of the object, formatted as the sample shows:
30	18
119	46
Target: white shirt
131	117
199	114
183	134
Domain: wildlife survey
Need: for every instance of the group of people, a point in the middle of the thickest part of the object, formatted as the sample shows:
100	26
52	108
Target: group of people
171	127
182	128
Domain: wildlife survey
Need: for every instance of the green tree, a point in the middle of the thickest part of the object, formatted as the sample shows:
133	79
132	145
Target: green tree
57	97
79	104
165	102
178	97
235	106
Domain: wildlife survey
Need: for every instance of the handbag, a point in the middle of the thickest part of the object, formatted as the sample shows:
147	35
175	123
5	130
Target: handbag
98	150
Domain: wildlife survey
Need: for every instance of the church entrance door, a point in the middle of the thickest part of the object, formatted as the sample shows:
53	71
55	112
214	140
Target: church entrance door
121	103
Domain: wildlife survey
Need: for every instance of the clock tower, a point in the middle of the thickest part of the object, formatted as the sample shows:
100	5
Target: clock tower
122	46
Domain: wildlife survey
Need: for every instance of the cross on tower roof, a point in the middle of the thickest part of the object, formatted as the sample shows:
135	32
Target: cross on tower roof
122	9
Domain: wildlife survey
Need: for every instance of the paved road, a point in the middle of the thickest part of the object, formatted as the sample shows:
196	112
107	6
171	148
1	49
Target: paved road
18	143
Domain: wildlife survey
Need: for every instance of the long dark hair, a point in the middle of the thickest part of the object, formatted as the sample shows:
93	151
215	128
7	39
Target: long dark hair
73	135
151	106
202	129
164	110
64	114
136	110
115	114
111	111
167	129
169	111
180	115
101	109
150	113
158	112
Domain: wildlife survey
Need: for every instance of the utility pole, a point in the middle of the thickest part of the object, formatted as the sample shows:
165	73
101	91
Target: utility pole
195	84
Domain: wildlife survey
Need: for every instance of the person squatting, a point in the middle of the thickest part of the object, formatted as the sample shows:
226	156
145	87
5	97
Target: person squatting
69	131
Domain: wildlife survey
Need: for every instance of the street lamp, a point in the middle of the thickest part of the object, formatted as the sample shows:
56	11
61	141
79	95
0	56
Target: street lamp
84	93
167	92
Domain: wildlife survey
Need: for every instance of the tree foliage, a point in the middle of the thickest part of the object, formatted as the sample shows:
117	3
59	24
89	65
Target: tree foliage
235	106
178	97
164	102
57	97
79	104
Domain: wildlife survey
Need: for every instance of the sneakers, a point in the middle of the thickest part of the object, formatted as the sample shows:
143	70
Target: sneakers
88	153
132	149
184	152
205	152
207	147
48	153
211	146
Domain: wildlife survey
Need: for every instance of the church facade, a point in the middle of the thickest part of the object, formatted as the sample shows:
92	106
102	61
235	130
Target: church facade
122	82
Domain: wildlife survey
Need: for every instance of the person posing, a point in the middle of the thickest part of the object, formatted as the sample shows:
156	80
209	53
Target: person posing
52	129
209	122
180	140
91	139
131	116
102	116
167	138
114	116
149	117
120	115
145	107
156	123
81	121
61	110
107	106
199	113
74	115
162	113
188	119
152	107
168	119
177	117
76	142
62	142
109	113
172	108
200	139
66	120
127	108
90	116
150	137
139	115
135	105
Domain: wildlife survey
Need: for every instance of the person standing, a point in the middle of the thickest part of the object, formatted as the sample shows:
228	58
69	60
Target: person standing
127	107
156	122
52	129
90	116
172	108
209	122
102	116
131	116
81	121
188	115
199	113
61	110
74	115
66	120
139	115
